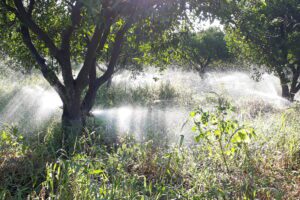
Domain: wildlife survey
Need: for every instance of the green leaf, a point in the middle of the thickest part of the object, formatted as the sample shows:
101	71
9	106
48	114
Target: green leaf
194	128
198	138
96	172
193	114
106	46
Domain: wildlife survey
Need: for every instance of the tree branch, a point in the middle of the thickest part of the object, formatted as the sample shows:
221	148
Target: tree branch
89	98
31	7
65	44
295	86
25	18
92	74
114	55
82	78
75	21
49	75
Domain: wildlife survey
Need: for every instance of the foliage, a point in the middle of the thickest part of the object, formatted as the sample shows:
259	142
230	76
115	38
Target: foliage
11	142
128	169
260	164
20	168
220	130
266	32
204	48
118	94
55	36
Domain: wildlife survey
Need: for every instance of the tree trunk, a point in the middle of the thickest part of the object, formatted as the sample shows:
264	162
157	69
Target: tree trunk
292	96
201	69
73	121
202	66
294	89
295	86
109	82
285	88
285	91
289	92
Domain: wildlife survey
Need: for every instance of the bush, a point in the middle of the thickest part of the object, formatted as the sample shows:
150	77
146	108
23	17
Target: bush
226	137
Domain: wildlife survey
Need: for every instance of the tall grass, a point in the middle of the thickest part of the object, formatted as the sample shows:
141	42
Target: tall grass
120	167
127	169
118	94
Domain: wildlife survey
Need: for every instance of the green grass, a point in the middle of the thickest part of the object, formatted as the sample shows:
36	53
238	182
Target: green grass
111	167
144	95
127	169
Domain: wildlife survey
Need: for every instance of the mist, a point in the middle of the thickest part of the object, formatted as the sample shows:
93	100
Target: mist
31	107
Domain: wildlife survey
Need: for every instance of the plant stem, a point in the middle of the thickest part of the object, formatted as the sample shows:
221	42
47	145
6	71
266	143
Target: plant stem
223	155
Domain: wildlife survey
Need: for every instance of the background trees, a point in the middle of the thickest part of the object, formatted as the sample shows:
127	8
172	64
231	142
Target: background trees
204	48
268	33
53	35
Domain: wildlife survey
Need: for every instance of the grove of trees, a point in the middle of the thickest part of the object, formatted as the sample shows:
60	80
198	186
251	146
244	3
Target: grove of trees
53	35
35	33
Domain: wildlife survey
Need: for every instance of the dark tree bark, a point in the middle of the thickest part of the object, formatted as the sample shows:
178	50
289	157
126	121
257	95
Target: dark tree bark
289	89
202	66
285	91
289	86
109	82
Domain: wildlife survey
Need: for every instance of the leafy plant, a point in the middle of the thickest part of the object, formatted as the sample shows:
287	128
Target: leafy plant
12	142
220	130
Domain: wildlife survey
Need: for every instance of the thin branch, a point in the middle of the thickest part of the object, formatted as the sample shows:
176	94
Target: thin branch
100	68
31	7
75	21
297	88
27	20
115	54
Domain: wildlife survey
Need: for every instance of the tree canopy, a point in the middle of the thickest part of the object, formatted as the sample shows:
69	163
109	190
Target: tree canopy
204	48
53	35
268	33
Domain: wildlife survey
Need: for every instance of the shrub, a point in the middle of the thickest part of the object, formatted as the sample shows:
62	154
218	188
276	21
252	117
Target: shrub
224	135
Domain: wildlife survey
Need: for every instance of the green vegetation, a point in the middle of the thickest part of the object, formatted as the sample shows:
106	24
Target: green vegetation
51	36
118	138
245	167
142	95
267	33
204	48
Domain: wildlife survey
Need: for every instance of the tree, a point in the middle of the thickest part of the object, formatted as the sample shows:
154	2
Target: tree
268	33
204	48
52	35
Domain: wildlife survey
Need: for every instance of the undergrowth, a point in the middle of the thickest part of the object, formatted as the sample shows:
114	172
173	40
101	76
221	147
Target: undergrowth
230	159
118	94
